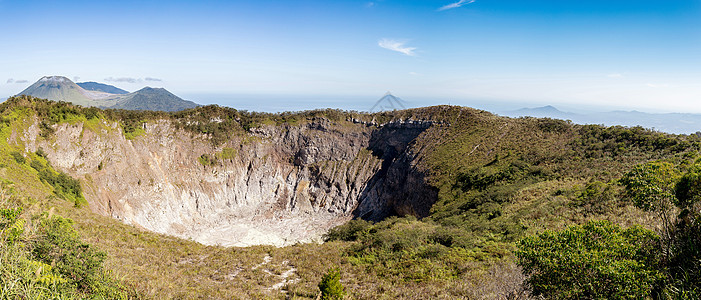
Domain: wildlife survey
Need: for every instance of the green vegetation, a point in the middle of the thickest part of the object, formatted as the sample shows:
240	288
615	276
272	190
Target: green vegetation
42	257
409	250
227	153
330	285
217	158
19	158
65	187
206	160
58	245
602	260
597	260
675	200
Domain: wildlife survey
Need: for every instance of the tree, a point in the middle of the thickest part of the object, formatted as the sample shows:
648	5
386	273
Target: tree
598	260
330	285
651	187
688	189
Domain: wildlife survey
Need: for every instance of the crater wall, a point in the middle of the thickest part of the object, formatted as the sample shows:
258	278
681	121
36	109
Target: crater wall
276	185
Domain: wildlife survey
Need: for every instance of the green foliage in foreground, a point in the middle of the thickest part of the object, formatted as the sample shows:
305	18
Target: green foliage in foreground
602	260
60	246
330	285
42	257
598	260
682	233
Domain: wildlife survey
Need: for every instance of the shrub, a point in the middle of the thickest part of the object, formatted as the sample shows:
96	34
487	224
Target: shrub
651	185
598	260
11	226
596	197
351	231
65	187
58	245
206	160
330	285
40	152
19	158
688	189
227	153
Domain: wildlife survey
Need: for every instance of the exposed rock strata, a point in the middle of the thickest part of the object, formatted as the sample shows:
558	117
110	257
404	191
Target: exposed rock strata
286	184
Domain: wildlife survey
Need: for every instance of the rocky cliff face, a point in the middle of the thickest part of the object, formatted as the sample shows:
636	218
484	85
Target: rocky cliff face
276	185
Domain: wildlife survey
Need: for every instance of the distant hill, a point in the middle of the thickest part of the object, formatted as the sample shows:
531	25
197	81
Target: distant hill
548	111
101	87
59	88
388	102
679	123
153	99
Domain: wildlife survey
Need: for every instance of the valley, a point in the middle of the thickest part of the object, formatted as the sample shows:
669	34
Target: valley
427	202
350	150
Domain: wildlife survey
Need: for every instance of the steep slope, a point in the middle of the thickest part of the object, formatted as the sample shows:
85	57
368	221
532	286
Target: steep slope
59	88
101	87
155	99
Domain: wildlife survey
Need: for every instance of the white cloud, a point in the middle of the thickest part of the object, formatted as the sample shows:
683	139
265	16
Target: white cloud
398	46
369	4
11	80
123	79
455	4
131	79
414	74
615	75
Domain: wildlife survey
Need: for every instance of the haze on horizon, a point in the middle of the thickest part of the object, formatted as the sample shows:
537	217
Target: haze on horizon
643	55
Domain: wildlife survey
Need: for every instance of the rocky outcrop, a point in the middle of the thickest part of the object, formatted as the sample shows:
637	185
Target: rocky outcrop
275	185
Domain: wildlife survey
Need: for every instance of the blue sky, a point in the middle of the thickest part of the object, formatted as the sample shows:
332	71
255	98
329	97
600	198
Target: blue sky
643	55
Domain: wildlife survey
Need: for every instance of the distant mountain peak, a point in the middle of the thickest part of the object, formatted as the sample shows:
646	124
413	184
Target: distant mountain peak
547	108
55	79
152	89
149	98
388	101
60	88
